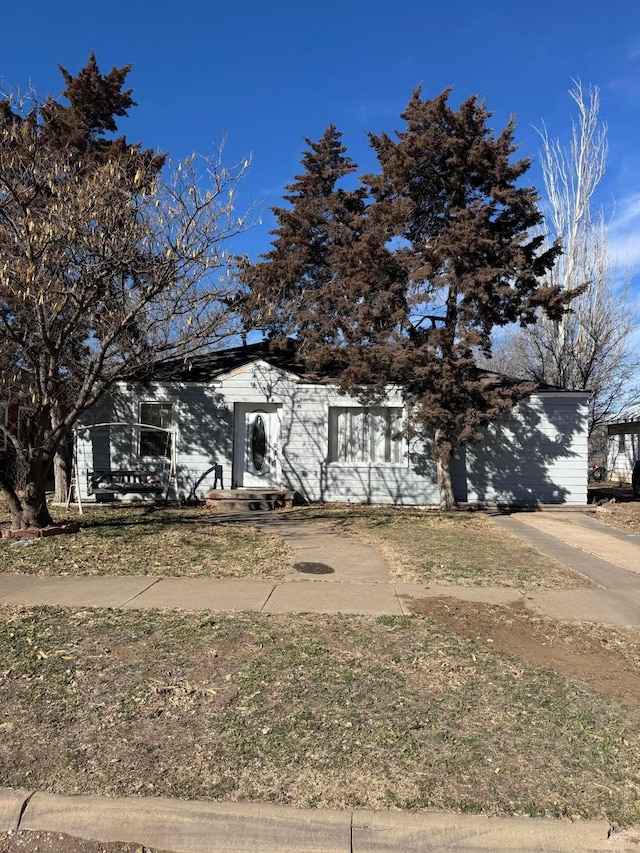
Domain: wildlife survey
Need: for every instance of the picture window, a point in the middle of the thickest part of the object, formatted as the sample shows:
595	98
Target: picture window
360	435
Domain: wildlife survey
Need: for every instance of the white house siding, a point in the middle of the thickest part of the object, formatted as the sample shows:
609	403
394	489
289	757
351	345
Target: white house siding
623	450
304	417
204	436
537	453
305	465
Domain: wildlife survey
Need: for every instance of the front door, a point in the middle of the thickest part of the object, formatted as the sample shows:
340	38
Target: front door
259	446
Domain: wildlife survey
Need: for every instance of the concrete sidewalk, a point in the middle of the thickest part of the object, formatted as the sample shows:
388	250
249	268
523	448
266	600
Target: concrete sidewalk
218	827
609	557
354	578
356	581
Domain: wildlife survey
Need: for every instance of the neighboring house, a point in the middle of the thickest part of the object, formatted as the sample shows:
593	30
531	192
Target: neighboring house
623	446
261	421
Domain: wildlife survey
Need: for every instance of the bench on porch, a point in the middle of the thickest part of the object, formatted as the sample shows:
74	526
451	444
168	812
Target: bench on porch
107	482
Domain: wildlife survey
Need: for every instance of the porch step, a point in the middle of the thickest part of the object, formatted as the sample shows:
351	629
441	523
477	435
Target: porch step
248	500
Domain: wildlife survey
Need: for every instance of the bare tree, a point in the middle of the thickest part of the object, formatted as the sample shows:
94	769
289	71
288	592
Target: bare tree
590	348
108	261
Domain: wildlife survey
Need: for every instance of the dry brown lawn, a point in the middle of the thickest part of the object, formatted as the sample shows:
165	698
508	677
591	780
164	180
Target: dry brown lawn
460	706
441	710
624	516
462	548
148	540
616	505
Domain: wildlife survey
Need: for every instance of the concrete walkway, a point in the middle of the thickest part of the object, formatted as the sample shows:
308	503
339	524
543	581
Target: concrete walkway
589	535
333	573
354	580
609	557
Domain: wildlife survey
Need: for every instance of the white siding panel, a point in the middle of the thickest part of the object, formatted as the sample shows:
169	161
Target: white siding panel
535	454
205	436
305	466
623	450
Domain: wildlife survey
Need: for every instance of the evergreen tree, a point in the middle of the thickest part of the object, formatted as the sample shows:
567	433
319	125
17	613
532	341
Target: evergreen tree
292	283
410	285
451	193
313	282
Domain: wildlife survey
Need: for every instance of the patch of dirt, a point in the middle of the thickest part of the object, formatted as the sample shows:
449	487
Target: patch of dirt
541	643
57	842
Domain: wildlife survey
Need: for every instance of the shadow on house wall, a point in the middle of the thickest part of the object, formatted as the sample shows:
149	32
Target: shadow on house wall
528	458
205	438
304	433
532	457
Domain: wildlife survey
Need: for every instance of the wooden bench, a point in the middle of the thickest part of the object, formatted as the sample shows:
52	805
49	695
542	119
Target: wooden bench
108	482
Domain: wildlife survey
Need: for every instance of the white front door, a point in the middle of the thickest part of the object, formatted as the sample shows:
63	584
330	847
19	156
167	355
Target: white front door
259	445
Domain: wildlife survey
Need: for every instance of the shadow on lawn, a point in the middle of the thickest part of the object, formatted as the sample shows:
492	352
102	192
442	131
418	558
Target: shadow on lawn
113	519
610	492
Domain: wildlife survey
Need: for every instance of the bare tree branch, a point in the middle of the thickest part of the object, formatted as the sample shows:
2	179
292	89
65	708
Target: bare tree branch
109	260
590	348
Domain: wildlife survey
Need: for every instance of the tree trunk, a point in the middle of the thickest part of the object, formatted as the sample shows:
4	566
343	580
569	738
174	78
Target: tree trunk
35	512
444	455
30	509
13	501
62	460
61	471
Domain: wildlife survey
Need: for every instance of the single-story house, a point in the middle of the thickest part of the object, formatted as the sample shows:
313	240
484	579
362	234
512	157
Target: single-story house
623	445
255	419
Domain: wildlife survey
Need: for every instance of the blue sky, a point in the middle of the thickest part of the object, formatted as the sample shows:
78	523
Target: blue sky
264	75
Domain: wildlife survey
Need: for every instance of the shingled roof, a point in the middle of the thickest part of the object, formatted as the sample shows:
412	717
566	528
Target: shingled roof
209	366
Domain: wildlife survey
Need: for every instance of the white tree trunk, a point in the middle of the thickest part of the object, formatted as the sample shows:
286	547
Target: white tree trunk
591	348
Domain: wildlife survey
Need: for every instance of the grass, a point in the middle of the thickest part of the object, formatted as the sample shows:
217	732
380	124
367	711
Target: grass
625	516
461	706
322	711
463	548
144	540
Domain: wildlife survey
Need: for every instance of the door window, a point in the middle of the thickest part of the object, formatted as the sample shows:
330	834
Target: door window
258	443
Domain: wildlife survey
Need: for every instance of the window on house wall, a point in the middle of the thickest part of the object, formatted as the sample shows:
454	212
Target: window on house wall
622	444
361	435
153	442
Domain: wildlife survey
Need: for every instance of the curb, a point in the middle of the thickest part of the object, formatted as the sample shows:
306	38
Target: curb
13	802
220	827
